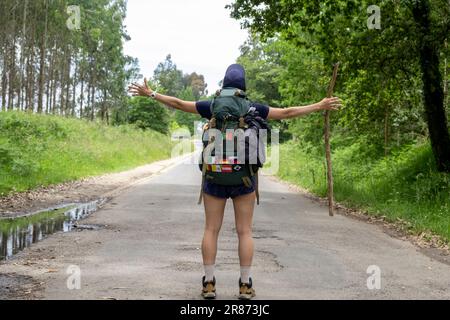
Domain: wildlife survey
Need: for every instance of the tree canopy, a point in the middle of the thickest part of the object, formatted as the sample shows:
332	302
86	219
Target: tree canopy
394	80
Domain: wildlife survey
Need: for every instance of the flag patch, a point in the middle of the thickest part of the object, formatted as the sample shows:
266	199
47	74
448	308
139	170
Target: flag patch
227	169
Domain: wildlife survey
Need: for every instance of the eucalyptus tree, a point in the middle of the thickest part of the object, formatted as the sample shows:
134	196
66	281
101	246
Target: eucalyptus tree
63	57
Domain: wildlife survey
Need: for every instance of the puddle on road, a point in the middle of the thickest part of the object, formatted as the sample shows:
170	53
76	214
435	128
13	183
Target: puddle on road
20	233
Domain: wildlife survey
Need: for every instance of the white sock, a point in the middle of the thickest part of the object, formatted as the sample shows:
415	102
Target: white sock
245	274
209	272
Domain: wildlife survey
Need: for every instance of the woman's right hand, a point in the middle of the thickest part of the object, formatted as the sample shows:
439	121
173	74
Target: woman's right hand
138	90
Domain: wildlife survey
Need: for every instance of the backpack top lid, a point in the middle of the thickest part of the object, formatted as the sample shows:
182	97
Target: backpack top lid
235	77
229	92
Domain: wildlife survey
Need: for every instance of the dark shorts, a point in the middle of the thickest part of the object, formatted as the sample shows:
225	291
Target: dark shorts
226	192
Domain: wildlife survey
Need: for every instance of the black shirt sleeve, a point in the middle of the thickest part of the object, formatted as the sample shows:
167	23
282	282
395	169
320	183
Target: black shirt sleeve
262	109
204	109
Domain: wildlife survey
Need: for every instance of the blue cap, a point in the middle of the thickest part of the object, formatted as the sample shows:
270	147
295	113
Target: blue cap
235	77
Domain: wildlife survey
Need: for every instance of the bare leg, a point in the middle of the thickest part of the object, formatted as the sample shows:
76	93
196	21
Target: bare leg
243	211
214	210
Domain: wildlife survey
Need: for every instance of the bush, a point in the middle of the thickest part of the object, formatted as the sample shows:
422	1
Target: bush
148	114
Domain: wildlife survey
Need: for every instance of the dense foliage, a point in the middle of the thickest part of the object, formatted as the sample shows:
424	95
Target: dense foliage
394	80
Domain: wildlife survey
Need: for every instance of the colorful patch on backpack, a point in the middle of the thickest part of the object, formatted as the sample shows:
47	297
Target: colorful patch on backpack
227	169
237	168
227	160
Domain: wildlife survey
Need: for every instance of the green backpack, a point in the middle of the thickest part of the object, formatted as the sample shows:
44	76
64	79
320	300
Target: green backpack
228	109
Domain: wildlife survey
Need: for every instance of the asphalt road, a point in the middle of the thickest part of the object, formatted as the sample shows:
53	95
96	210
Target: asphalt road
149	249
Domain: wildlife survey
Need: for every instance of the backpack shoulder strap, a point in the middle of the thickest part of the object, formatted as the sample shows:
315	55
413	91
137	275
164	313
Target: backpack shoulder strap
211	107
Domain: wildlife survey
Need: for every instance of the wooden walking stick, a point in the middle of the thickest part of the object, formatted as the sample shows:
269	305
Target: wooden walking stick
327	143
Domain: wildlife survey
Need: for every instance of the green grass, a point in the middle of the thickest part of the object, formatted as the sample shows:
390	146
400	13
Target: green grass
404	185
40	150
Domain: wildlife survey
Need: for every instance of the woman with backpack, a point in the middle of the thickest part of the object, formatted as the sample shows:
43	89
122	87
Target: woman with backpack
243	195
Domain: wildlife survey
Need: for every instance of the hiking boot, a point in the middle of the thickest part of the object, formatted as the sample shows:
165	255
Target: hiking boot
209	289
246	292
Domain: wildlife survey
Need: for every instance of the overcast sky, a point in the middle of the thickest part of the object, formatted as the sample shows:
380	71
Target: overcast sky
199	34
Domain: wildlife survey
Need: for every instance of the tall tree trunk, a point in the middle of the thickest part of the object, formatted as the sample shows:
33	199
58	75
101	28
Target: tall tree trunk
55	89
49	81
93	101
67	80
4	80
93	69
53	78
81	94
74	89
47	96
12	64
27	92
62	101
42	60
445	76
33	90
432	87
104	105
30	71
88	98
50	96
21	94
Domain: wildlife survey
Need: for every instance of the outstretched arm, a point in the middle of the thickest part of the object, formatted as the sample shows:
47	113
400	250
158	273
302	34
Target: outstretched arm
293	112
145	91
